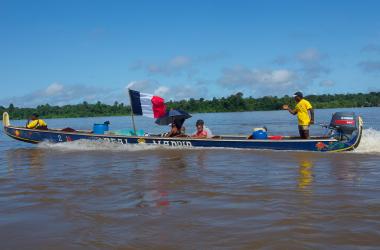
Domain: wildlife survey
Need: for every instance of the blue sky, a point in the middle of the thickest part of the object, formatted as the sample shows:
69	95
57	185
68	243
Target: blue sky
62	52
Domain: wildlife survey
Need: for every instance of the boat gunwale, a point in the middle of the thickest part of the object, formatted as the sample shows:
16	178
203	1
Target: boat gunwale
168	138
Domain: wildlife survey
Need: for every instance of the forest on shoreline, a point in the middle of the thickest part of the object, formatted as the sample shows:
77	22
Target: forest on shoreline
233	103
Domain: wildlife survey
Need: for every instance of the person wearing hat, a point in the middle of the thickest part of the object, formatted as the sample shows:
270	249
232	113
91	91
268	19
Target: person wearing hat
304	112
201	132
177	128
35	123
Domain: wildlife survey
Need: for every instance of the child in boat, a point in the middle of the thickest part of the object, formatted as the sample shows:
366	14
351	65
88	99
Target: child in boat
201	132
35	123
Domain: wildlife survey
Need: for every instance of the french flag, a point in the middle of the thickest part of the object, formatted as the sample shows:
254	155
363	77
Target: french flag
147	104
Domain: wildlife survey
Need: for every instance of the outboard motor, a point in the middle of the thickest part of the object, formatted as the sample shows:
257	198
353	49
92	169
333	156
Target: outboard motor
344	125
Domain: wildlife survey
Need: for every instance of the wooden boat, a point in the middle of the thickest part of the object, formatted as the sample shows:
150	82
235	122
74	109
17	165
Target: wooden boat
345	134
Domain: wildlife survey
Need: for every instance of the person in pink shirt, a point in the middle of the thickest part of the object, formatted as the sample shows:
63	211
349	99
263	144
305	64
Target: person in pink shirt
200	133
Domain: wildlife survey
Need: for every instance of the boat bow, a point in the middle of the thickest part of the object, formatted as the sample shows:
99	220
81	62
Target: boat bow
6	122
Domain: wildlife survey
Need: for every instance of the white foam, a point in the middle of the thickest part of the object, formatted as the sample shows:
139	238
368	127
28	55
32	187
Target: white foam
370	142
90	145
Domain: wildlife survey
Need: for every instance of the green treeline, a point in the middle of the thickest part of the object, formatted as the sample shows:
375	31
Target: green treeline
79	110
238	103
232	103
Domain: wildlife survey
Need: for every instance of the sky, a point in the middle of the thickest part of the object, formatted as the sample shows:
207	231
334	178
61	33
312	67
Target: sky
67	52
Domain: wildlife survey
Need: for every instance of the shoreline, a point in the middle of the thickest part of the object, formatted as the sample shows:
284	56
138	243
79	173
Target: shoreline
232	103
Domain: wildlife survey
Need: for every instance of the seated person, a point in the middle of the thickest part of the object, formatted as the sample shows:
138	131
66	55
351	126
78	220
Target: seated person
183	130
35	123
68	129
201	132
175	130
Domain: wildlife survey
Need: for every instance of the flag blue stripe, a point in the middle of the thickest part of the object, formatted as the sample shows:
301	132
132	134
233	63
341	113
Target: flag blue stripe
135	102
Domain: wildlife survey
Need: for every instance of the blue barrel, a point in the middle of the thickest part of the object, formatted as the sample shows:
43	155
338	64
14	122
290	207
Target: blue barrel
260	134
99	129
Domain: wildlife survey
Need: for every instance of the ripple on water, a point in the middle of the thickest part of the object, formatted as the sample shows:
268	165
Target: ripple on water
87	196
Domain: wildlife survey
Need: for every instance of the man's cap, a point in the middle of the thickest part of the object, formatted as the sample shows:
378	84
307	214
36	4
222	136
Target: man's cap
35	114
199	122
299	94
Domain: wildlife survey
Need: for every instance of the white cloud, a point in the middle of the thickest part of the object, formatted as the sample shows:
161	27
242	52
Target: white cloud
177	92
60	94
258	81
256	77
298	70
183	91
275	76
162	91
53	89
186	91
142	85
312	66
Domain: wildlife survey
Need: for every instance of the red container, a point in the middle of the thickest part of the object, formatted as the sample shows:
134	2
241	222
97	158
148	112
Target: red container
275	137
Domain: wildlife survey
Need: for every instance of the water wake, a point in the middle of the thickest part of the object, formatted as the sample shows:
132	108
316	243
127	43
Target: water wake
370	142
89	145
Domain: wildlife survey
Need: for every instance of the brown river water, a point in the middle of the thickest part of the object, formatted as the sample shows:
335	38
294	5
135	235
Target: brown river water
90	195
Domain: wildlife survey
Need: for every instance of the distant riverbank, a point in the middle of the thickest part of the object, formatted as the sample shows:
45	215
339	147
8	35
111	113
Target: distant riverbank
232	103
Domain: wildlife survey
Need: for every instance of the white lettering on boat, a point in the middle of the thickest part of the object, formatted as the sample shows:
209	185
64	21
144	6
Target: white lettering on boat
170	143
173	143
113	140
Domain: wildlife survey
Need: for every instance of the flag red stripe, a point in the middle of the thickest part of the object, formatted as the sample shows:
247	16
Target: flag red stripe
158	106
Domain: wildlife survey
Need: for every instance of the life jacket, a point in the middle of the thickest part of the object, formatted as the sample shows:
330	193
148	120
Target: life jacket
39	124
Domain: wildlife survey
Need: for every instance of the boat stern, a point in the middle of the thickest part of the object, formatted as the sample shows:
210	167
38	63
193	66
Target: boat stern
347	129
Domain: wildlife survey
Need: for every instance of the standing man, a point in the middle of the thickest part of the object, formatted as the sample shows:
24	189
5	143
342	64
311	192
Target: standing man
304	112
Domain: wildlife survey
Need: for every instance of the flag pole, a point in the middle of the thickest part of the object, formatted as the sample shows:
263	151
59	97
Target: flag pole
133	117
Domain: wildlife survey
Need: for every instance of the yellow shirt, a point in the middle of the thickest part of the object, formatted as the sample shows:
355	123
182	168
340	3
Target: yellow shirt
36	124
302	112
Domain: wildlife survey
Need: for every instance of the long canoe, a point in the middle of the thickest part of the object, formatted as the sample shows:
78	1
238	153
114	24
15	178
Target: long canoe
336	142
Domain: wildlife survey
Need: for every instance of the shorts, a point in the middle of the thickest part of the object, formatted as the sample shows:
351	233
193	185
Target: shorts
303	127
